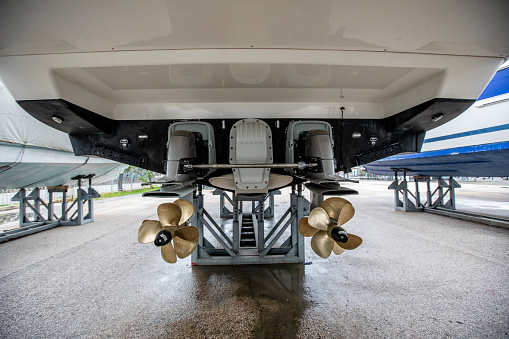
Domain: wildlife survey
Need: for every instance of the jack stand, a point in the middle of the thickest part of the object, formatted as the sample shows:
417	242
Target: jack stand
449	189
410	202
41	223
443	203
228	250
405	204
78	217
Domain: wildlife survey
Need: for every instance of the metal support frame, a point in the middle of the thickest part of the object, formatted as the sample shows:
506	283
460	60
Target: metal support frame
406	201
442	200
449	194
40	222
238	217
225	212
268	213
228	250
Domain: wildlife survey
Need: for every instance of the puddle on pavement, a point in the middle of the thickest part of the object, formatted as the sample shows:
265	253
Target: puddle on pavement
249	301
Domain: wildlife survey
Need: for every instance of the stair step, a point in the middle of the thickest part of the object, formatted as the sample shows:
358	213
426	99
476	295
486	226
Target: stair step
247	232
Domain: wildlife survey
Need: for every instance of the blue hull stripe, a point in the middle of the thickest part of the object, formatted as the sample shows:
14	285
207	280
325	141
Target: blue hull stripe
497	86
469	133
489	160
452	151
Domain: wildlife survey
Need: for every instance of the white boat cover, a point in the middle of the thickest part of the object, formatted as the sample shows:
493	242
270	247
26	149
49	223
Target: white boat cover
19	127
35	155
27	166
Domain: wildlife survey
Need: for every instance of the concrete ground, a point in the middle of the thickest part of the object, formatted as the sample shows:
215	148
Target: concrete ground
415	275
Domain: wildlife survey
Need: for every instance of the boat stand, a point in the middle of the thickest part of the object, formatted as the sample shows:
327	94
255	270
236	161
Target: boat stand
442	200
246	240
41	220
443	196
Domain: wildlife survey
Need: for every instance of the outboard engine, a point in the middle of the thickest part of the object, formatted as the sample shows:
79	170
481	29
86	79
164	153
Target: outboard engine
182	148
190	142
318	149
311	142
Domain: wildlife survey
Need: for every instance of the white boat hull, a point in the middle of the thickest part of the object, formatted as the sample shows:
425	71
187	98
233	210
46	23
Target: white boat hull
475	144
381	74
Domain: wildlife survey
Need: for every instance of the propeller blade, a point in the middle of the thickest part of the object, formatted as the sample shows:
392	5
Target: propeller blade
184	248
188	233
322	244
318	218
353	242
305	228
148	231
185	241
169	214
186	208
333	206
168	253
346	214
337	249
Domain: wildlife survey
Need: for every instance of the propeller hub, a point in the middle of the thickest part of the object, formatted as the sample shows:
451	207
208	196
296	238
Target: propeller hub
339	234
162	238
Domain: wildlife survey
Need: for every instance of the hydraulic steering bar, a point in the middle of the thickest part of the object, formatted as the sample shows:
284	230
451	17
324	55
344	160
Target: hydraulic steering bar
300	165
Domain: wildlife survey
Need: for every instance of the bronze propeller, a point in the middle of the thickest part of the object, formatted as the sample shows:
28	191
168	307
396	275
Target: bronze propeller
171	226
325	226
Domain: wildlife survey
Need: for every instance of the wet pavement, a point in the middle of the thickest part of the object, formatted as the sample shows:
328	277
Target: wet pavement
415	275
